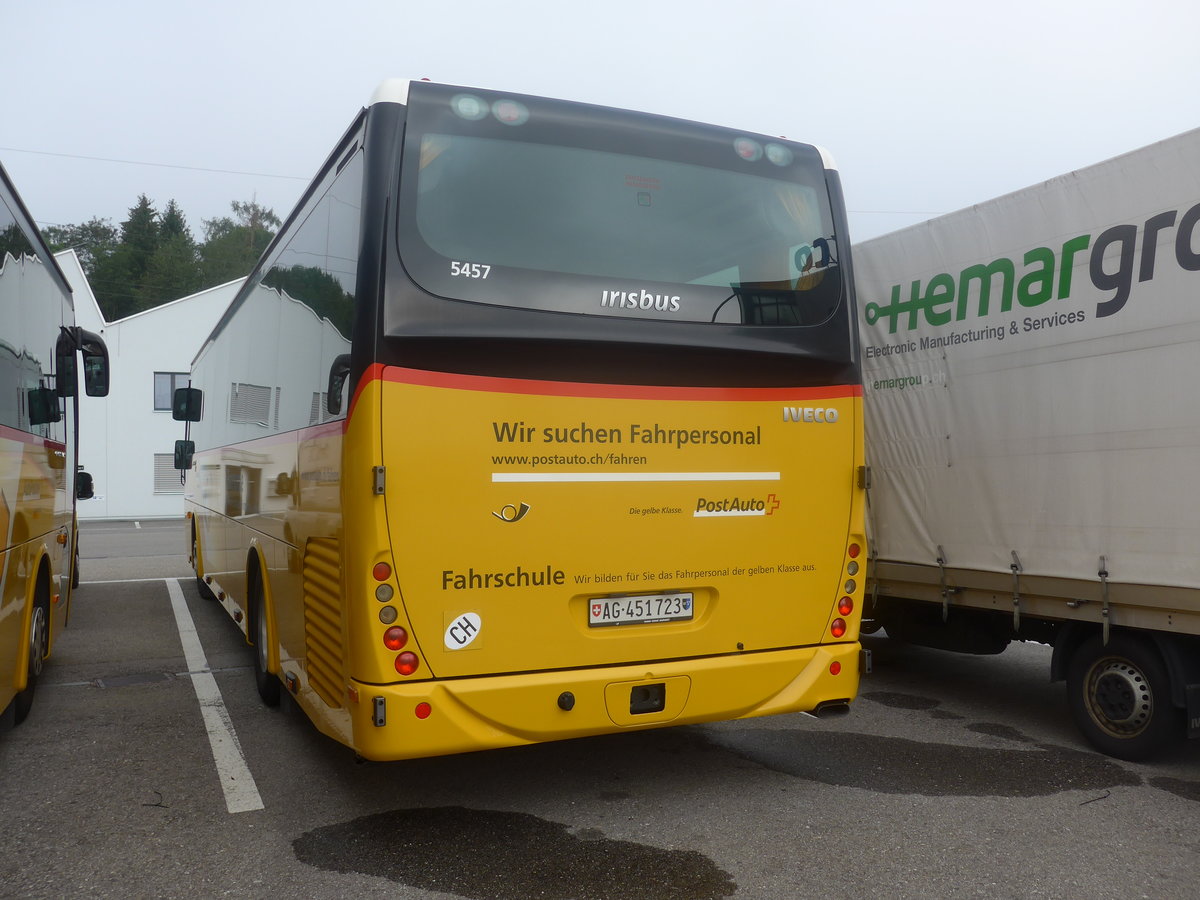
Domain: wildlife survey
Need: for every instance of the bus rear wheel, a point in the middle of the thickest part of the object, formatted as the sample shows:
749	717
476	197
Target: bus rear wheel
39	646
1120	697
267	684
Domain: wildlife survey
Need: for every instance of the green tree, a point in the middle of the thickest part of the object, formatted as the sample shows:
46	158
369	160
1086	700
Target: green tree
152	258
232	245
140	235
317	289
116	277
13	243
91	241
173	270
173	224
114	281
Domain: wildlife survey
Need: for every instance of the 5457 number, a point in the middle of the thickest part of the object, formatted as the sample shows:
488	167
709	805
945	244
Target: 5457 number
470	270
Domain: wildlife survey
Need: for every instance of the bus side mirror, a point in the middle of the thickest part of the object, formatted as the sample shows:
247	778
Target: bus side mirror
184	451
338	373
95	364
43	406
66	382
186	405
85	488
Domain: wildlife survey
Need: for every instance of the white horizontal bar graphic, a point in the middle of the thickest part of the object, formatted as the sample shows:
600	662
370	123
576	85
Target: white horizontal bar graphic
522	477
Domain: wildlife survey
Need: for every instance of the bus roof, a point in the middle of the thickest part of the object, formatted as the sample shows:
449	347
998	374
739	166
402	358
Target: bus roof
395	90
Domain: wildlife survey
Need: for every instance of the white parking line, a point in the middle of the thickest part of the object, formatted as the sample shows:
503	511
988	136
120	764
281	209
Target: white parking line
241	793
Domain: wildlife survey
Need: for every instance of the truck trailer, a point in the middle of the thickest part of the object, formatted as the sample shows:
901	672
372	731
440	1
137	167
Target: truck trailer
1032	389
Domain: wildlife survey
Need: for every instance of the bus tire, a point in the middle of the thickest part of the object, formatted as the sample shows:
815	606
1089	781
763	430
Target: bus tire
1120	697
39	645
75	565
267	684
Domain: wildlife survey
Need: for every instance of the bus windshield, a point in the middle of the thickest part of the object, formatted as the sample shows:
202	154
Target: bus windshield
543	208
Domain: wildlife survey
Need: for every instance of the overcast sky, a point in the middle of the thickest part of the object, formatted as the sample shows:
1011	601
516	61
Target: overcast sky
928	106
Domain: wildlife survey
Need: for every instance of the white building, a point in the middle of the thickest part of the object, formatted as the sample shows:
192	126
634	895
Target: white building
127	439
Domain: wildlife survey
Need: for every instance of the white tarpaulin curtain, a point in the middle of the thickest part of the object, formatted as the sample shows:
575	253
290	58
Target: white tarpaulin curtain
1032	376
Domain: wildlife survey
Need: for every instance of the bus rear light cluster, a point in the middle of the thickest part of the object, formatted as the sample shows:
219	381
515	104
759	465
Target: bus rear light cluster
845	605
396	637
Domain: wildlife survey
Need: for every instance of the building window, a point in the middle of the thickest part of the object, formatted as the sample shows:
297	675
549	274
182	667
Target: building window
317	411
166	477
165	384
250	403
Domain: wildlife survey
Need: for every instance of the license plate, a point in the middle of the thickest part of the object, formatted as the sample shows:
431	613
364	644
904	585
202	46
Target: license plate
644	609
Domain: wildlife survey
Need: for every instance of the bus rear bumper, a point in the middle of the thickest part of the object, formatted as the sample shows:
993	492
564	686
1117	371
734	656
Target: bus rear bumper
404	721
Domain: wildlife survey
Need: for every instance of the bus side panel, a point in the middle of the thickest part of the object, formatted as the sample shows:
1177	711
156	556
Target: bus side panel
266	483
37	442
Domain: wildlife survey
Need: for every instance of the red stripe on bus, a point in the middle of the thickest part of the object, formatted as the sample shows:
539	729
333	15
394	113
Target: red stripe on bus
493	384
7	432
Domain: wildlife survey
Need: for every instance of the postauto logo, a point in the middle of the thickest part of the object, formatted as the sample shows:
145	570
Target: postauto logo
735	506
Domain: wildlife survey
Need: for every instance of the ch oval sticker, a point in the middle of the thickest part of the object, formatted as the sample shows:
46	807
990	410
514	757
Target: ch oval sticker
463	631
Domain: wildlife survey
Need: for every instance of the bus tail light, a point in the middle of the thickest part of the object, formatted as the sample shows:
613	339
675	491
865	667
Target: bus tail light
382	571
845	606
395	638
407	663
838	628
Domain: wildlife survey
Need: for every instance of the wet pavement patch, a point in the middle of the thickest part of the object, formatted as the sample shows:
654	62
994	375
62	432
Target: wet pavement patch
897	700
1001	731
890	765
1188	790
491	855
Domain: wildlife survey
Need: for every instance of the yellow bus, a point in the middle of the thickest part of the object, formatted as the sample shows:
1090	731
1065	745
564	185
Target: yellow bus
538	420
39	423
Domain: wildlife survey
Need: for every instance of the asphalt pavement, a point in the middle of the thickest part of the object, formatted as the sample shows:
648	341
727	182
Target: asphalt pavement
952	776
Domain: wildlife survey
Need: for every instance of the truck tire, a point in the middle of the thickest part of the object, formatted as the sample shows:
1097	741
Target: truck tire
1120	697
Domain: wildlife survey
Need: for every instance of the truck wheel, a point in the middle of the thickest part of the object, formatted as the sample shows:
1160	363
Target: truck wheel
39	645
1120	697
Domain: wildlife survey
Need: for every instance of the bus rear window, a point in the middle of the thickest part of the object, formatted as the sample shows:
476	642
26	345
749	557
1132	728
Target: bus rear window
570	228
